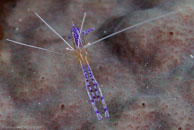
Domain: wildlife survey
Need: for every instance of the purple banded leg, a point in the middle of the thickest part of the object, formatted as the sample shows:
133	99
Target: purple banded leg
93	81
102	98
85	32
87	84
95	86
106	113
91	91
96	90
88	92
94	106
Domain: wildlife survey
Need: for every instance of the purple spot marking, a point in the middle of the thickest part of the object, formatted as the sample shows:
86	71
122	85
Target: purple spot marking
97	111
85	32
75	34
69	37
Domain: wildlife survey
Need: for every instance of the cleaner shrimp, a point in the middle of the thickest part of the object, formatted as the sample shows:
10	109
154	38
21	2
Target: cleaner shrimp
80	50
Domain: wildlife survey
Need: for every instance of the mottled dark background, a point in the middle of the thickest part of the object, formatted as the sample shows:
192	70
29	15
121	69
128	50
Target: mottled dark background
146	73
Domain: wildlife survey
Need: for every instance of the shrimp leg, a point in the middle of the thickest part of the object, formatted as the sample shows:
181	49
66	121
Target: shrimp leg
87	83
85	32
95	83
88	88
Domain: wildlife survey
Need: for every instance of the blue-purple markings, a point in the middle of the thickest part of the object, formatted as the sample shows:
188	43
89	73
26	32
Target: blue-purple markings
85	32
93	81
97	85
75	34
88	85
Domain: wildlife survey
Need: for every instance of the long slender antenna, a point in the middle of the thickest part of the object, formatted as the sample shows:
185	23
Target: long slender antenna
130	27
53	30
23	44
81	28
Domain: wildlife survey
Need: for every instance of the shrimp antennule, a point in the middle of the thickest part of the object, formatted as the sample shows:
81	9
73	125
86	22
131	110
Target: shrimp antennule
53	30
31	46
81	29
131	27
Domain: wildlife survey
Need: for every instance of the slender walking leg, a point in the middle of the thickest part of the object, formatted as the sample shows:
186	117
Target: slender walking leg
87	83
94	84
101	95
106	113
88	87
85	32
94	106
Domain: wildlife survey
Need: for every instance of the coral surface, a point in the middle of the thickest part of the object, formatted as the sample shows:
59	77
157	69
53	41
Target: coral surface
146	73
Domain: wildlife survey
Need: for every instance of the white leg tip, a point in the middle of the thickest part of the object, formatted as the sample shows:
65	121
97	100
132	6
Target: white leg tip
69	49
106	114
99	116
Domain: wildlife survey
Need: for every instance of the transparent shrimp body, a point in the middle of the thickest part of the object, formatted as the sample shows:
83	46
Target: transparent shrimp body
92	87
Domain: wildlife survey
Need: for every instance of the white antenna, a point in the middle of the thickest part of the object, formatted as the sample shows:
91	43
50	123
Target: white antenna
81	28
130	27
24	44
53	30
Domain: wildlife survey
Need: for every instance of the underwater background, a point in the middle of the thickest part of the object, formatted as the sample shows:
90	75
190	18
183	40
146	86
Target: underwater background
146	73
